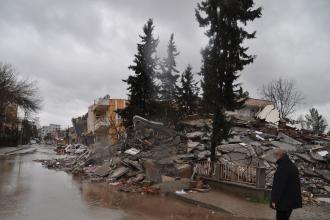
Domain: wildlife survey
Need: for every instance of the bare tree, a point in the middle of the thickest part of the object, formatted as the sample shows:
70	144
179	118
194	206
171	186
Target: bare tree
22	92
285	95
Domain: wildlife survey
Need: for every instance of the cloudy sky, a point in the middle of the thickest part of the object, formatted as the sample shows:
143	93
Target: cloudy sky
79	50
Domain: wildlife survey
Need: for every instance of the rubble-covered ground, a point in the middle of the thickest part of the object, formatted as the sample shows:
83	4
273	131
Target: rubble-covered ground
155	158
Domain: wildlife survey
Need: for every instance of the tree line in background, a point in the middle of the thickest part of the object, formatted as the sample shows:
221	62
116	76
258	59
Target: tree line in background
153	91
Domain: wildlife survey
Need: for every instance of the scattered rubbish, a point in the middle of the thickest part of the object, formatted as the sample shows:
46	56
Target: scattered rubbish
323	153
180	192
132	151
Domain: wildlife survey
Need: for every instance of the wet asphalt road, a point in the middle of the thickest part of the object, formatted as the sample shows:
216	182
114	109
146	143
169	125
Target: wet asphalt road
29	191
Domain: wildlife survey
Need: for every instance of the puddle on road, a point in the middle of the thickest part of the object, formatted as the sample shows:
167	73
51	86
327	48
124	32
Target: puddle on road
144	206
31	192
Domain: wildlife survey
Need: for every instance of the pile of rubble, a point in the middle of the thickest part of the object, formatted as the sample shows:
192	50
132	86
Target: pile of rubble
71	149
157	158
152	159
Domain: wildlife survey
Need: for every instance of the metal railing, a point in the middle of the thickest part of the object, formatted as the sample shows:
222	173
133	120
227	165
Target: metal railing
203	168
249	175
237	173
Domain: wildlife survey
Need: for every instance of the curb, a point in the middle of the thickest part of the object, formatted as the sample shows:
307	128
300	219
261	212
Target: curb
199	203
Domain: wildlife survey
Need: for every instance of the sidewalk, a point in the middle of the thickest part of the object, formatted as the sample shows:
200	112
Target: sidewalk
240	207
25	149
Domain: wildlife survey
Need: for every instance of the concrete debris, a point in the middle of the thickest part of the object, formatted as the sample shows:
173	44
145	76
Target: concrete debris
119	172
155	158
194	135
170	184
308	198
132	151
103	170
323	153
180	192
191	145
72	149
259	137
269	114
283	145
289	140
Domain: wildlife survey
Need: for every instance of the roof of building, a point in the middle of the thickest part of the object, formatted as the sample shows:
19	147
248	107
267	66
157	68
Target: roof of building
259	103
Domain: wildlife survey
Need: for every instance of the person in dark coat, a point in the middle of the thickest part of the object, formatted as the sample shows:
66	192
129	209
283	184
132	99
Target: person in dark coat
286	192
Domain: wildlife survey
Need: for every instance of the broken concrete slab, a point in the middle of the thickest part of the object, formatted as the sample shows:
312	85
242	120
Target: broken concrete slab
305	157
203	154
119	172
196	134
184	170
269	114
103	170
327	188
132	151
140	177
197	123
142	123
191	145
131	163
325	174
283	145
171	185
187	156
317	156
287	139
234	140
153	172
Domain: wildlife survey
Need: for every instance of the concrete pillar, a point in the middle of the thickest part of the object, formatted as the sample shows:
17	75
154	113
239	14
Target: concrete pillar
261	177
217	171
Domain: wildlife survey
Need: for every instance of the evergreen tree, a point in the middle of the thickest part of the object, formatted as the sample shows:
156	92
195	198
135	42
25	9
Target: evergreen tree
315	121
188	93
141	85
223	58
169	74
168	78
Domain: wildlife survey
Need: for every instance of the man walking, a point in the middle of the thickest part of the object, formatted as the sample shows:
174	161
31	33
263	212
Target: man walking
286	193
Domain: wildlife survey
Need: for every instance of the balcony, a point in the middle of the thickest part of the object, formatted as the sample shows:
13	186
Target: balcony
102	125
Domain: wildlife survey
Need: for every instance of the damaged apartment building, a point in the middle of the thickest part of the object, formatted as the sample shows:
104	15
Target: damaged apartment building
104	125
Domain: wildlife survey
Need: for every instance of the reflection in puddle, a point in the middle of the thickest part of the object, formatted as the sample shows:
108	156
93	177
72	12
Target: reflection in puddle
146	206
31	192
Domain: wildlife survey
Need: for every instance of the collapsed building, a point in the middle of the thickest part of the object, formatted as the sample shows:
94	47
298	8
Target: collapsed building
102	123
154	157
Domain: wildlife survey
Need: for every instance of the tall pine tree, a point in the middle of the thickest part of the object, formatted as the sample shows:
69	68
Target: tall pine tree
223	58
141	85
187	94
168	77
169	72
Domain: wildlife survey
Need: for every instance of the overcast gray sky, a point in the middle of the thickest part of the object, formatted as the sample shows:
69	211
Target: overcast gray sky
79	50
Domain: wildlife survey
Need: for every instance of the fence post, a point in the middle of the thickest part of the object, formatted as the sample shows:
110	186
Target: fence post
261	177
217	171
